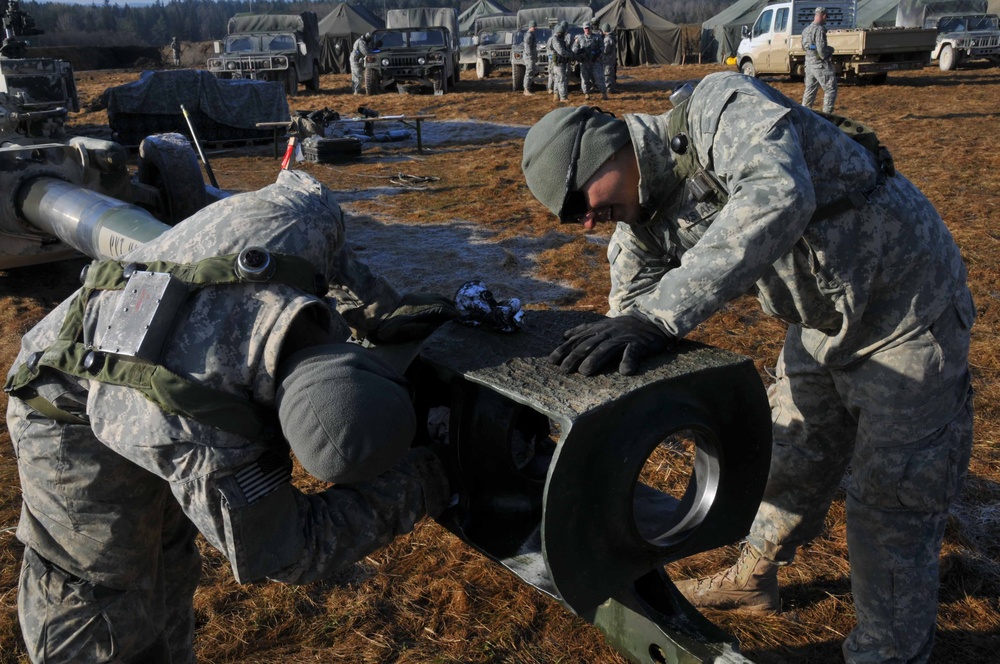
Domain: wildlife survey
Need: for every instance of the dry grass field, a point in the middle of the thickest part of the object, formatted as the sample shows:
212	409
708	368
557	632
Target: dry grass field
428	597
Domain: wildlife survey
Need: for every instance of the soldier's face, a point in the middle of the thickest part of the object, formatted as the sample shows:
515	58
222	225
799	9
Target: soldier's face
612	193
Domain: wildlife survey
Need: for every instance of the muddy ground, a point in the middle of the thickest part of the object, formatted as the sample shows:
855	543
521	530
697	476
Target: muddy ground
460	210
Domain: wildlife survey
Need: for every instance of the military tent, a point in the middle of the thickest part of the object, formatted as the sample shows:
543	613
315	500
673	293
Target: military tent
877	13
339	30
644	37
467	19
720	35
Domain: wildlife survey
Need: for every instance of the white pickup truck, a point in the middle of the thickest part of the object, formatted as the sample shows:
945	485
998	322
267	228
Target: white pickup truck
774	44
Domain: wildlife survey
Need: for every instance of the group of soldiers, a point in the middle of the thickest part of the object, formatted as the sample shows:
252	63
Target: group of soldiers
596	51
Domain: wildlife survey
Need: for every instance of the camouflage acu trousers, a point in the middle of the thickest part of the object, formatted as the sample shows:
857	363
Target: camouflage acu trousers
530	69
357	77
901	420
592	78
560	80
611	76
820	75
111	567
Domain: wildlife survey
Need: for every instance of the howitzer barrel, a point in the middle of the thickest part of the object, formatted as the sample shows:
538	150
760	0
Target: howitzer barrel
97	225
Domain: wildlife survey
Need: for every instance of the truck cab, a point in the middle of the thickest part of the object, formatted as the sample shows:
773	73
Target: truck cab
773	45
966	37
282	48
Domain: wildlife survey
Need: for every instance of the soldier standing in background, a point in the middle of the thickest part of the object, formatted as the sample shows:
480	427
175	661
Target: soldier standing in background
175	48
123	459
819	66
530	55
362	47
561	57
587	50
740	189
610	48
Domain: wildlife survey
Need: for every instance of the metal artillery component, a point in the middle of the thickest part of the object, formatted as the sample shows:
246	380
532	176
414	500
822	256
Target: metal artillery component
60	195
557	484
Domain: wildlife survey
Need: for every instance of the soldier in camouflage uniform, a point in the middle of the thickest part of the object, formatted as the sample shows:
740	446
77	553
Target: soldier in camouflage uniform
740	189
588	51
819	67
530	57
609	46
121	466
362	47
560	56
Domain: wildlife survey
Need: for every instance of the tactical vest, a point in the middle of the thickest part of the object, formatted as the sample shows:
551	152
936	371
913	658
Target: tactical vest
706	187
172	393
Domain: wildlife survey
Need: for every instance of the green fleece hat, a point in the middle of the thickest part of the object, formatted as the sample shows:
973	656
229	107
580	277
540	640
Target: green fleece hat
346	414
565	148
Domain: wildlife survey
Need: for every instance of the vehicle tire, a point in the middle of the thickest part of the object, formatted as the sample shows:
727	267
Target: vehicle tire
169	163
517	73
291	81
948	58
313	84
747	69
482	69
371	82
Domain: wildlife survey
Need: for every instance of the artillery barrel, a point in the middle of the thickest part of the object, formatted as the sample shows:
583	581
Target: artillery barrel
92	223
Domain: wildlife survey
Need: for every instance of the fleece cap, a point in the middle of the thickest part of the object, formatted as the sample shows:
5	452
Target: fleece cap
549	148
606	27
532	24
346	414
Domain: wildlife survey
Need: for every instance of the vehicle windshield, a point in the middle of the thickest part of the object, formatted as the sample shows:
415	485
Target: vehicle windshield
259	43
990	22
242	44
412	38
953	24
487	37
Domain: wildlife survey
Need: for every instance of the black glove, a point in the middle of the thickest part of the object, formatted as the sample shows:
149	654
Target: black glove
591	346
416	316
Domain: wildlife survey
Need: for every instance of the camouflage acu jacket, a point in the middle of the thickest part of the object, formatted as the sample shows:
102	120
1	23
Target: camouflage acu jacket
856	281
230	338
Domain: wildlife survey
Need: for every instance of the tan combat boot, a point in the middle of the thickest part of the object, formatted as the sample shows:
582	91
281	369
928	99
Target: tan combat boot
750	585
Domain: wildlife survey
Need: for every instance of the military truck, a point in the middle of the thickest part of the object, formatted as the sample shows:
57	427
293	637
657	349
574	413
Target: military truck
270	47
60	194
418	49
774	44
965	30
494	38
545	19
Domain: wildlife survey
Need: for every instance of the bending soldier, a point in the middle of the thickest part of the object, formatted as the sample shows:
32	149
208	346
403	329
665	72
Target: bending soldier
125	456
362	47
740	189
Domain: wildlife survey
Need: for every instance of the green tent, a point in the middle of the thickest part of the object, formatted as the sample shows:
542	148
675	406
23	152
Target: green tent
721	34
339	30
467	19
644	37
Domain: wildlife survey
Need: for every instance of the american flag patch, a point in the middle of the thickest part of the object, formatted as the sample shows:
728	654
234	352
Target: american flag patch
263	476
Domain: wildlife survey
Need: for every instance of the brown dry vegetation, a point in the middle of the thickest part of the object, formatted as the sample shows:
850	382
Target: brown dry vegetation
428	597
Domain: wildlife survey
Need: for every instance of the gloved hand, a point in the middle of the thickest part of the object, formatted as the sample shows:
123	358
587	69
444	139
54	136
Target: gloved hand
591	346
416	317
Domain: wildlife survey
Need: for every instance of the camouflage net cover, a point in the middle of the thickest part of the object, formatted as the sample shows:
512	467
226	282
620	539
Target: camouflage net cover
220	110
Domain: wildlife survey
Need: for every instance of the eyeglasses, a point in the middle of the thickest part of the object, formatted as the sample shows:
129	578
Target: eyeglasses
601	215
574	208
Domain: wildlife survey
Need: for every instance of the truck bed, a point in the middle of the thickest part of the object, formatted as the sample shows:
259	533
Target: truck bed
873	41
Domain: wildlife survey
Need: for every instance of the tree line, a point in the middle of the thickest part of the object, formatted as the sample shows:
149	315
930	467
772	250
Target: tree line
113	24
